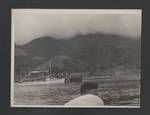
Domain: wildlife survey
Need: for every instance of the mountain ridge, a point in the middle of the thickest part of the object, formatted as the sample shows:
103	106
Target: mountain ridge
100	50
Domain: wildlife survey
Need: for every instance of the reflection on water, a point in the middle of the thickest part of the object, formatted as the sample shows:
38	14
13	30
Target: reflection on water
124	93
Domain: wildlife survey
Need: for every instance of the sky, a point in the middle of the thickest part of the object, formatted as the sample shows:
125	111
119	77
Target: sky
29	24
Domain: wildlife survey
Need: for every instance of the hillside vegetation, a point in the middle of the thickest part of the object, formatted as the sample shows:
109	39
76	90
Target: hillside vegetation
83	53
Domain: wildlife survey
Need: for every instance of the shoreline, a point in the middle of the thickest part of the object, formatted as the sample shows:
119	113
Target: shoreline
41	82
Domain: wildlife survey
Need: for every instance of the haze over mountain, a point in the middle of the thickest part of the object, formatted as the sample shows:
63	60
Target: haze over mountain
29	24
100	51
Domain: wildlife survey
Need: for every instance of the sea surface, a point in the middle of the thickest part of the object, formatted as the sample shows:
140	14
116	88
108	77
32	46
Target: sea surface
115	91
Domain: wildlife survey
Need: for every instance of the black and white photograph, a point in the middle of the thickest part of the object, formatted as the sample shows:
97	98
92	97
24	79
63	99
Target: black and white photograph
76	58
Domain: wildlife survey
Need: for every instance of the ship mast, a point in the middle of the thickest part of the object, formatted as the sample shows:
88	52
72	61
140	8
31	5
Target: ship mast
50	69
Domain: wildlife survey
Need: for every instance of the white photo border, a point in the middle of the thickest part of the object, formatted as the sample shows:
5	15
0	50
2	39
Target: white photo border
65	11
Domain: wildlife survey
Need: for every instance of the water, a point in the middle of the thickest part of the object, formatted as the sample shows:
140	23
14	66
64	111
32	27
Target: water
126	92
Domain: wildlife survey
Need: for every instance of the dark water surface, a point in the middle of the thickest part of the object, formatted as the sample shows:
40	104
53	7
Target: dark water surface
124	91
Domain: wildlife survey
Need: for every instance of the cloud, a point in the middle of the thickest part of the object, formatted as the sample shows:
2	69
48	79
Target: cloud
30	25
